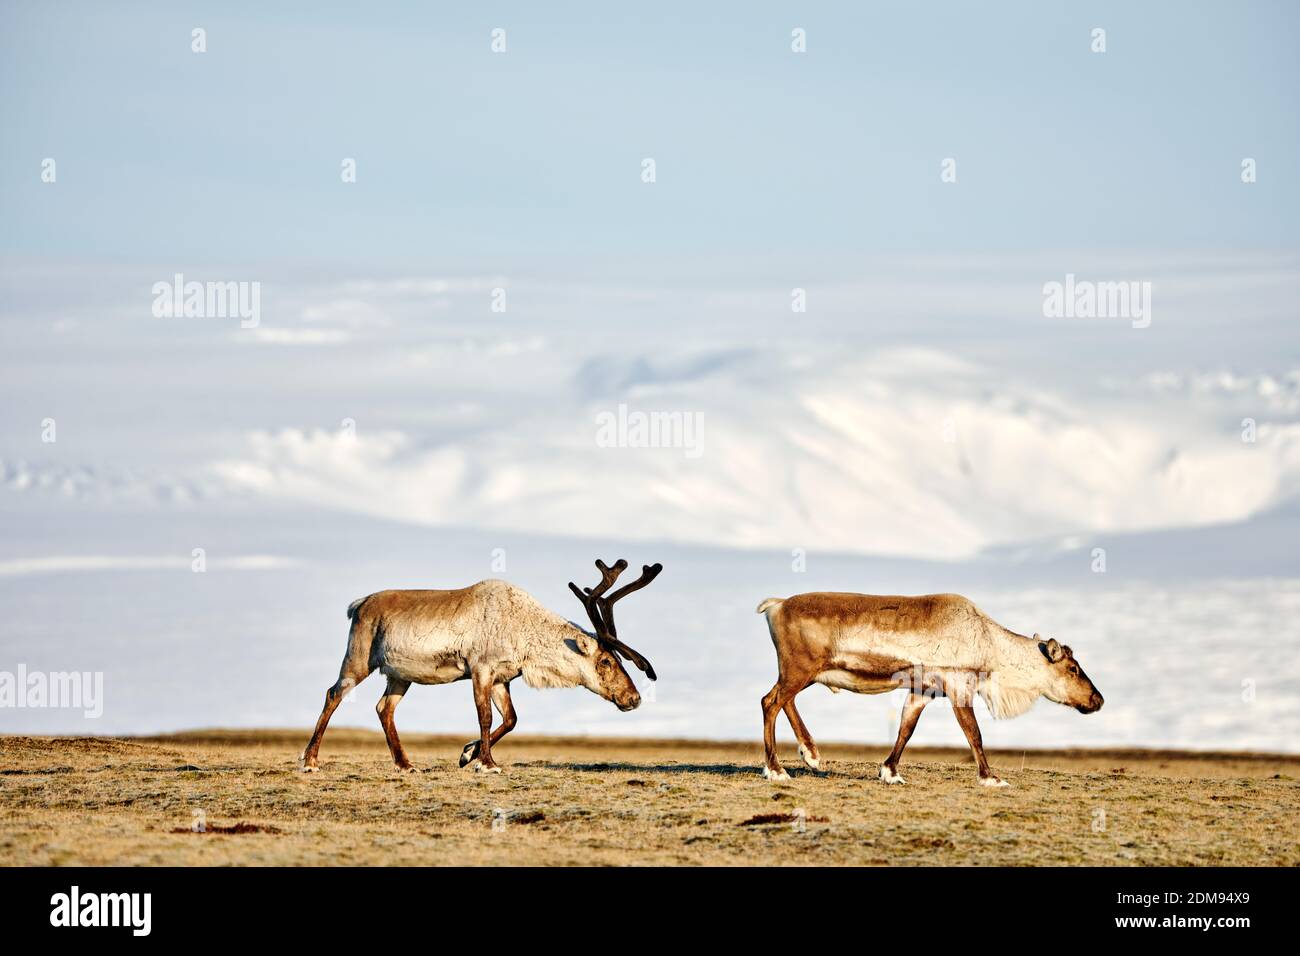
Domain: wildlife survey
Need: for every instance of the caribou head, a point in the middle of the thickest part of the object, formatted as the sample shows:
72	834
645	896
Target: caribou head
604	673
1066	682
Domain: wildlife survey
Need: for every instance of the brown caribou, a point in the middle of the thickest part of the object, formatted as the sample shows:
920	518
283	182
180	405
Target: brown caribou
489	633
936	645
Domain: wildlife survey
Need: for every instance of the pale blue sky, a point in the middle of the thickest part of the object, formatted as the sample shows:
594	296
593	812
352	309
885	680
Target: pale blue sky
235	154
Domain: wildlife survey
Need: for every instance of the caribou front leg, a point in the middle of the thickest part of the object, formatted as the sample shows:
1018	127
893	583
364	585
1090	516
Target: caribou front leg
393	694
483	704
501	700
966	718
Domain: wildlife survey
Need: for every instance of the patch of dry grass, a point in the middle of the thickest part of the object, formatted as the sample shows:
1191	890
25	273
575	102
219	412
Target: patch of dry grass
104	801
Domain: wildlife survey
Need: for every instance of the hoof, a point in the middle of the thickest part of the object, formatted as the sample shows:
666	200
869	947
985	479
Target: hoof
810	760
479	768
890	776
993	782
406	768
308	767
776	776
469	754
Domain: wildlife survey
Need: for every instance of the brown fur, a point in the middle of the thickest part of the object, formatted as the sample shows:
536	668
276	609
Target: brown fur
881	612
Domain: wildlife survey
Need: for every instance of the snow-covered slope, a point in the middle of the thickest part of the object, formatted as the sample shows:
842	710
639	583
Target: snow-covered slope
905	452
859	426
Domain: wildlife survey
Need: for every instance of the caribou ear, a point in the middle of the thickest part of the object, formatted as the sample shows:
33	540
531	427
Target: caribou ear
1051	650
581	644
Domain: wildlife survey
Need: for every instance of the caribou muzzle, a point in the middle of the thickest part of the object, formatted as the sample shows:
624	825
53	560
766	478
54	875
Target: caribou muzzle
1093	705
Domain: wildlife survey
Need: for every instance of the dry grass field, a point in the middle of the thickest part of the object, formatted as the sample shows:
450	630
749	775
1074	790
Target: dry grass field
106	801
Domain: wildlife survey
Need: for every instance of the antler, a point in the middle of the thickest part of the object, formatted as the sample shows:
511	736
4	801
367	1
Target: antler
590	597
601	609
606	604
648	573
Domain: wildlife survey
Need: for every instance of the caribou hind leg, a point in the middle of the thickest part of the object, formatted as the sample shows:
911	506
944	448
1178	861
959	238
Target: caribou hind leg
356	667
393	694
501	700
773	703
807	748
350	675
912	708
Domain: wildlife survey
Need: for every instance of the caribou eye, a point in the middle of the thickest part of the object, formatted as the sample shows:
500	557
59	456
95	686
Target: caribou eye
1074	668
603	664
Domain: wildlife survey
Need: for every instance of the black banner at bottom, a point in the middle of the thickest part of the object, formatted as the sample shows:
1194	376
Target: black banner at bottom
233	905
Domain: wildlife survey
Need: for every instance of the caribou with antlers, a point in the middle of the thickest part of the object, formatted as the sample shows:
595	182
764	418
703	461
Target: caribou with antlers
936	645
488	633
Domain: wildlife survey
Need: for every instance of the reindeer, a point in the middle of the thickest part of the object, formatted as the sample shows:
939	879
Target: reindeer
488	633
937	645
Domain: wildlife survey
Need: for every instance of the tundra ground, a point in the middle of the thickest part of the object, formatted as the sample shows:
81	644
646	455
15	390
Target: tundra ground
111	801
